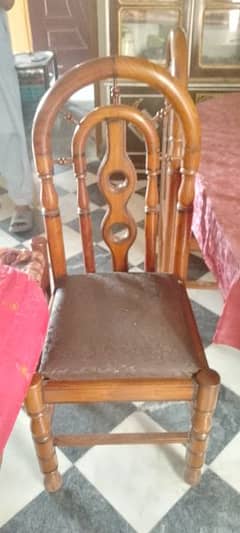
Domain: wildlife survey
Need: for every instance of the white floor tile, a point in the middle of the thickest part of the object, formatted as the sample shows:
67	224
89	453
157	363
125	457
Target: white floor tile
136	252
208	276
141	183
20	478
7	240
91	178
211	299
6	206
83	95
135	269
66	180
142	482
72	241
136	207
68	207
227	464
226	361
103	245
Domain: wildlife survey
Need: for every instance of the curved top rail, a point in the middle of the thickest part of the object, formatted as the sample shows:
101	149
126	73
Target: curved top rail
123	67
120	112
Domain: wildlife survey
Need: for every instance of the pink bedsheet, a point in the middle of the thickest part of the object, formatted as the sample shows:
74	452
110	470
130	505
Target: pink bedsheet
216	219
23	323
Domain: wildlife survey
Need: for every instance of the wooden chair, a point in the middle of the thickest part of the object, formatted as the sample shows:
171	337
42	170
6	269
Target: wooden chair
119	336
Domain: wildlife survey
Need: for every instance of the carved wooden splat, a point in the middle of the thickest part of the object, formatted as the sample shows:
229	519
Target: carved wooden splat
117	179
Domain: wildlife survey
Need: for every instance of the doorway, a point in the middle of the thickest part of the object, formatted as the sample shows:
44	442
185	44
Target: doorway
68	27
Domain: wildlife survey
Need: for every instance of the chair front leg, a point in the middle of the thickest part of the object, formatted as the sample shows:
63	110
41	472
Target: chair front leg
208	384
41	415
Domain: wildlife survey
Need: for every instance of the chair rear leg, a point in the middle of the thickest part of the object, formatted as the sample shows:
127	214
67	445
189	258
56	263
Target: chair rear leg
41	415
208	383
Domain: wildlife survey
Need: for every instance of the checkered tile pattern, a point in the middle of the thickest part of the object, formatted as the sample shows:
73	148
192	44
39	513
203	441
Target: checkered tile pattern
127	489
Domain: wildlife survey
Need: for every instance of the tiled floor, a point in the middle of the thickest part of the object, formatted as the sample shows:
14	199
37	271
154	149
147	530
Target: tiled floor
129	488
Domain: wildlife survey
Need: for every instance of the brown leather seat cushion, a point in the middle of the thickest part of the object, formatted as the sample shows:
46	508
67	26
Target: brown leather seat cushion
121	325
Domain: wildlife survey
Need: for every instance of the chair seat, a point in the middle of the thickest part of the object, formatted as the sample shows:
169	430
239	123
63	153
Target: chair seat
121	325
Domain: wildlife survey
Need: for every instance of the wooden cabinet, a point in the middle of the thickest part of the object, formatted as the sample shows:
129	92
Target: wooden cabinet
141	28
212	27
214	48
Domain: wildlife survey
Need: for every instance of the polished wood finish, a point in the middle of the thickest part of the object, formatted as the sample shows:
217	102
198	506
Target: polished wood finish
207	389
208	285
173	150
118	390
160	80
117	195
101	439
117	179
41	432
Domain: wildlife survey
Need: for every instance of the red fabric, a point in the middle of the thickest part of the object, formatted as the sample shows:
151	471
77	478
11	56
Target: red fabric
23	324
227	331
216	218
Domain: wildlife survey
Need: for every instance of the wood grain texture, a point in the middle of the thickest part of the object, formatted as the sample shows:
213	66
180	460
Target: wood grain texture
101	439
176	214
208	384
118	390
116	161
159	79
42	435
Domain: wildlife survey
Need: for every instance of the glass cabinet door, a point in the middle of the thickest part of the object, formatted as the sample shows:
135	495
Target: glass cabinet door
144	31
140	28
221	37
216	39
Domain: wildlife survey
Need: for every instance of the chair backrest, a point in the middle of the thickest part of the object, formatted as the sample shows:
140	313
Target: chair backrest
116	161
173	148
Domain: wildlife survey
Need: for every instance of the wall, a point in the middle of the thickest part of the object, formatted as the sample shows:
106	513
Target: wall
19	26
